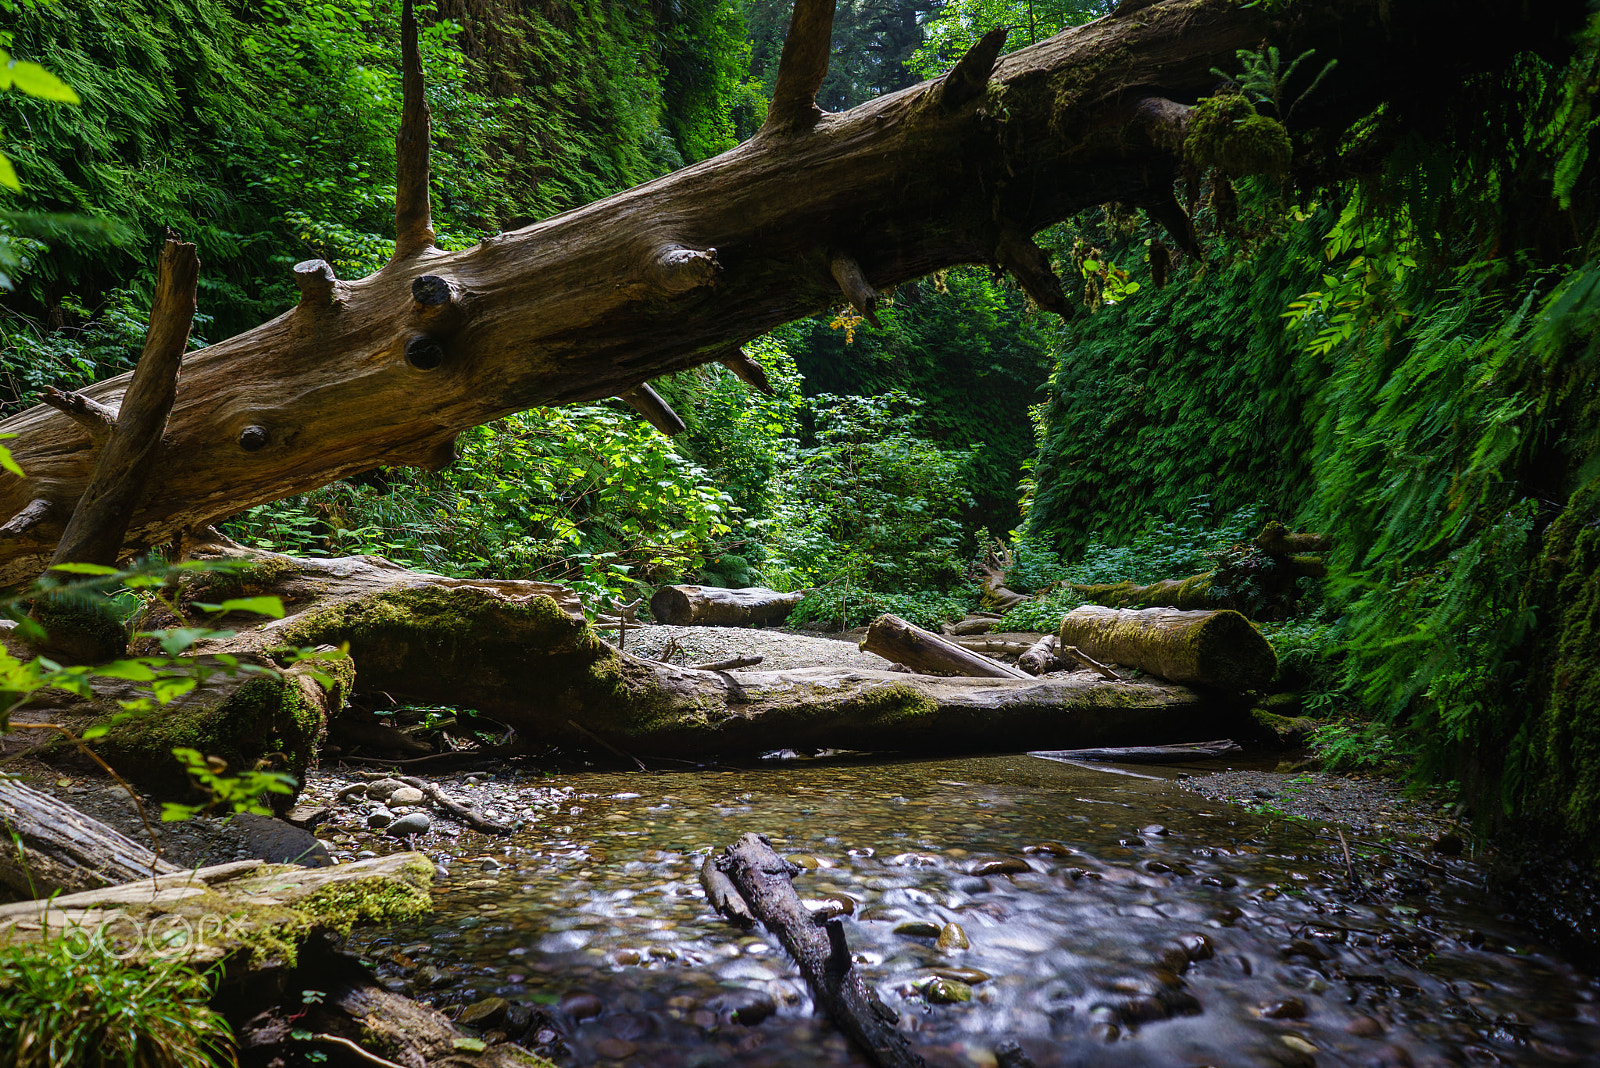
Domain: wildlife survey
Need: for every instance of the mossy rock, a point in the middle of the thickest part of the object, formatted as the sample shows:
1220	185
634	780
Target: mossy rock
79	630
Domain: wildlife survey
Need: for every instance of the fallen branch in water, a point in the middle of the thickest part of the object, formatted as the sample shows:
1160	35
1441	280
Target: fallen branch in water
762	878
1147	754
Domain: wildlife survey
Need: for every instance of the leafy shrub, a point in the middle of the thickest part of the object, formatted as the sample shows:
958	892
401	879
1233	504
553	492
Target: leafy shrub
840	607
1351	745
99	1012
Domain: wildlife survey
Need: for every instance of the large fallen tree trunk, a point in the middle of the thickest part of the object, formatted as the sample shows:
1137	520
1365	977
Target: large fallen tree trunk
713	606
815	210
1220	649
534	664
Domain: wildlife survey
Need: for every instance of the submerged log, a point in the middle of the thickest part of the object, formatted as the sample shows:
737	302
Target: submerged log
49	847
763	881
1147	754
1220	649
927	653
540	669
714	606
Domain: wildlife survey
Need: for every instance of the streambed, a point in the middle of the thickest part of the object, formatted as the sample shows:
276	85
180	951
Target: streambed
1108	920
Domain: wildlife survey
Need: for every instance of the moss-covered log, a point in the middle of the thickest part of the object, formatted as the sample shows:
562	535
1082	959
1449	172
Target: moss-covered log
533	665
1220	649
713	606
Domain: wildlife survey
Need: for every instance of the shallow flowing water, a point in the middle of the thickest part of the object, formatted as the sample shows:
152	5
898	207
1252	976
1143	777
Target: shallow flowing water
1107	920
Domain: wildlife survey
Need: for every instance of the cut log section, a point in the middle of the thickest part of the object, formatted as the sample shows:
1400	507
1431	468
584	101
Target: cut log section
1218	649
50	847
714	606
762	878
927	653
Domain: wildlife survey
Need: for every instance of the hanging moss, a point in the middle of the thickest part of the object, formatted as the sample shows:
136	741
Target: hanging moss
1226	132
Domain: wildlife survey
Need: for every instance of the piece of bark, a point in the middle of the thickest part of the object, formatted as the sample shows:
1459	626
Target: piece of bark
1147	754
50	847
763	881
130	453
901	642
1219	649
714	606
1040	656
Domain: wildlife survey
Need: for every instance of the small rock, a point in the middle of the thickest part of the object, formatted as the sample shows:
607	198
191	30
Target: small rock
918	929
406	795
1364	1027
486	1013
1001	866
379	818
1287	1009
952	938
1448	845
942	991
746	1007
580	1005
970	976
1054	849
1155	830
615	1049
380	789
409	824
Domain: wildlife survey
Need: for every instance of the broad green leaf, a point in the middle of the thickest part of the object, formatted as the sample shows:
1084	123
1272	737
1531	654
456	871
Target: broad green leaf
6	460
36	81
171	688
84	569
99	730
266	606
132	670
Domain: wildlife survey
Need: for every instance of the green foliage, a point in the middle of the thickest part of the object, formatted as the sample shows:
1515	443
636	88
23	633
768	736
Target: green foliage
231	793
63	1007
1265	79
1226	132
1353	745
840	607
959	23
590	496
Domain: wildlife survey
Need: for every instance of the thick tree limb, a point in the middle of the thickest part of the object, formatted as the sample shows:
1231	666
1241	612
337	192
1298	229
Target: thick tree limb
99	523
714	606
648	403
748	371
96	418
413	218
1148	754
1030	266
970	76
923	651
857	290
560	312
801	68
1039	657
762	879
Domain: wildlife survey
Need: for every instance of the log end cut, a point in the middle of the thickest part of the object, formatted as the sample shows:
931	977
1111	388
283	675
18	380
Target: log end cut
1219	649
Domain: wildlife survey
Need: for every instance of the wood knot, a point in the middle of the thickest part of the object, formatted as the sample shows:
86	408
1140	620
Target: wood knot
425	353
430	290
253	438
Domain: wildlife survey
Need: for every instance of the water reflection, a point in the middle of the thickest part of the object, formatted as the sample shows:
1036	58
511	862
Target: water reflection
1095	919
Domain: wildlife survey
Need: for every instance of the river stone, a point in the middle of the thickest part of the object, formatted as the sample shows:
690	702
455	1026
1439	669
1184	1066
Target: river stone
277	842
942	991
1000	866
379	818
380	789
616	1049
580	1005
952	937
1286	1009
409	824
407	795
970	976
486	1013
747	1007
918	929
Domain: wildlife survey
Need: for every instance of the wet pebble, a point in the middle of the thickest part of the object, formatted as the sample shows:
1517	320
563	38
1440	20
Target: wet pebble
406	795
918	929
379	818
580	1005
1286	1009
942	991
952	938
488	1012
746	1007
616	1049
1000	866
409	824
1364	1027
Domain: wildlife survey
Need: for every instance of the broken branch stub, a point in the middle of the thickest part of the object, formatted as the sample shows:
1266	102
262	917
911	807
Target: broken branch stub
648	403
857	290
970	76
801	68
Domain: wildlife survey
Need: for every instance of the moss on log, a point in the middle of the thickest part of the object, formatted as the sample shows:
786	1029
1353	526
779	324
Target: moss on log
1218	649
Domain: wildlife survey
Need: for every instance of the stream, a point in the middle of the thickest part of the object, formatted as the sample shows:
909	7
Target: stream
1094	918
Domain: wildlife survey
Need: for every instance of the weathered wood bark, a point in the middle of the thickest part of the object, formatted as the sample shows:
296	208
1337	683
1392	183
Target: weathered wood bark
713	606
763	880
682	270
1148	754
1040	656
50	847
537	666
923	651
1220	649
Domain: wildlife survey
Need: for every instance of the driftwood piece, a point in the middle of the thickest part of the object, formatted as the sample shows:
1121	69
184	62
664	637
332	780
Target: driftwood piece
991	646
1040	656
1072	652
714	606
923	651
1147	754
763	880
972	625
465	813
992	581
50	847
723	895
1220	649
